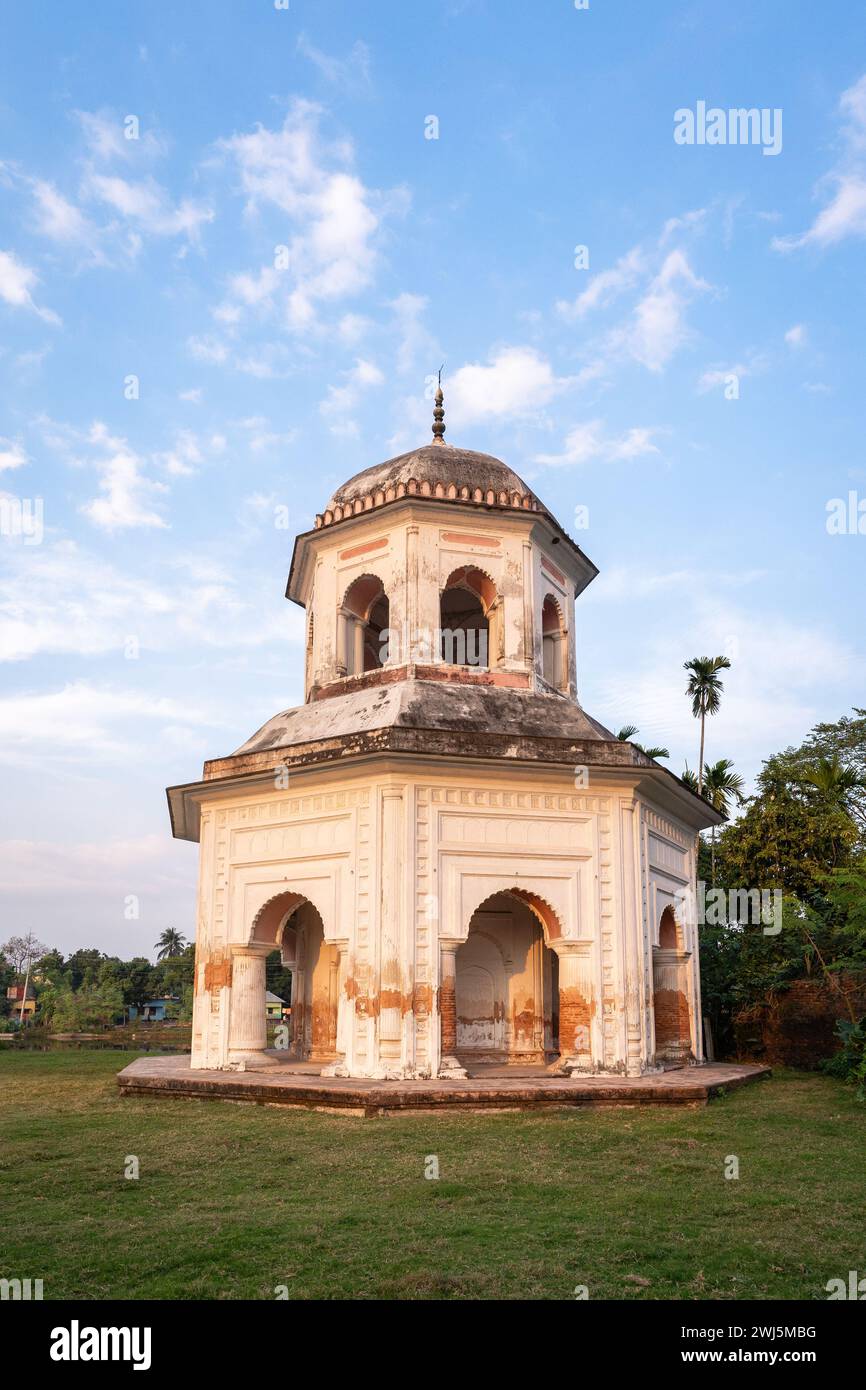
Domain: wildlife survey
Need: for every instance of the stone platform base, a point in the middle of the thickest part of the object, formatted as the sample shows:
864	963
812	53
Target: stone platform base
300	1084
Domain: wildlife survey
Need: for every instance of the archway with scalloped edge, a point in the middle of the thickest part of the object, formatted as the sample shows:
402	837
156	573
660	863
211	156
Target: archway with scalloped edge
542	910
468	610
554	642
314	962
507	982
271	921
365	612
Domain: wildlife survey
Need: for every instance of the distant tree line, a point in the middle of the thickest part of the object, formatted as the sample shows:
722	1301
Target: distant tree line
91	990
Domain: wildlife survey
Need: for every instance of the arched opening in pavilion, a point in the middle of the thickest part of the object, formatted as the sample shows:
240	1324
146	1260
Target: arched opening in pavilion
469	619
362	626
554	644
291	925
507	985
671	1011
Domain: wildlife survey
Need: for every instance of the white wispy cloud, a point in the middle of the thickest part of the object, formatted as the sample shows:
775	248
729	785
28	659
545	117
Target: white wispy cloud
16	282
351	72
587	442
515	382
844	212
345	397
658	327
12	454
126	492
606	286
334	218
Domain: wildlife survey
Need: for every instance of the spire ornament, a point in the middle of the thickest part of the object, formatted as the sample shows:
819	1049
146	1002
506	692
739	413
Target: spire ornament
439	414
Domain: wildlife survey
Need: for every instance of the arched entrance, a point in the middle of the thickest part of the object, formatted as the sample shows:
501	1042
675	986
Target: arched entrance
468	615
515	991
291	924
506	988
553	644
361	621
670	995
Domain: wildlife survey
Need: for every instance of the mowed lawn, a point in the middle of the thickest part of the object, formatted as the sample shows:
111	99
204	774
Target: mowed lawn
234	1200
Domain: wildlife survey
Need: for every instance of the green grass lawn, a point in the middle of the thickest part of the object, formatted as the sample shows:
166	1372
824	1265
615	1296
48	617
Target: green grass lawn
233	1200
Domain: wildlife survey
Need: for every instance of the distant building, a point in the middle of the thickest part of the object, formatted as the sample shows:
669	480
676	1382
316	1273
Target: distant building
274	1005
16	993
154	1010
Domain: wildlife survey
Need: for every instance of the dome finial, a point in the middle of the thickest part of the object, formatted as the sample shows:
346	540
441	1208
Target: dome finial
439	414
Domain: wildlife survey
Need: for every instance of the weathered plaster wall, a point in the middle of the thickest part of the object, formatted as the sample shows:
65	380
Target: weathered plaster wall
397	859
413	550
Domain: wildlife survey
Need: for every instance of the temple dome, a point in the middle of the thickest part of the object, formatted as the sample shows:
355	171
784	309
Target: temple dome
439	471
441	465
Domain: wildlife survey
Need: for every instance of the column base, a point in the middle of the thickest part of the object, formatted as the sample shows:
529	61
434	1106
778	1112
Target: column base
676	1055
450	1069
568	1066
336	1068
251	1061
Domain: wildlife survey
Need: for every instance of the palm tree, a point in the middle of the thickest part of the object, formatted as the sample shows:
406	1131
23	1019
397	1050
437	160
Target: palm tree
705	688
625	736
833	779
690	780
171	943
721	786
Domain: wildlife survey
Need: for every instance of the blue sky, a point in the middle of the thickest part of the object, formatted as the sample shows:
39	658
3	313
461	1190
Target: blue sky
143	627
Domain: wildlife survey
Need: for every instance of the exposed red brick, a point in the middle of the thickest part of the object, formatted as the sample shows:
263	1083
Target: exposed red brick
671	1018
448	1016
217	971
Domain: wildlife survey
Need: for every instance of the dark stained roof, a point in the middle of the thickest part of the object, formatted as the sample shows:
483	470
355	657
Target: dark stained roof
430	705
435	463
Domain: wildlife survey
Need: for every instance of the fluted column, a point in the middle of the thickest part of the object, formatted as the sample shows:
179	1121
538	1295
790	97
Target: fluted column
575	1006
342	644
448	1063
338	1067
248	1024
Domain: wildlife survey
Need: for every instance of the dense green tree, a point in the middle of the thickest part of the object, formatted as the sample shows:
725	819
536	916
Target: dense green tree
800	832
173	974
90	1008
138	981
82	966
789	836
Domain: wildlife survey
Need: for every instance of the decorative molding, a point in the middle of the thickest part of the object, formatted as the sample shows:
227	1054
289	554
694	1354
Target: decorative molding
517	800
662	826
442	491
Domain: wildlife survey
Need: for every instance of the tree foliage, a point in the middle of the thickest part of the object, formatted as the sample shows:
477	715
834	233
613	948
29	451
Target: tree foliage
801	832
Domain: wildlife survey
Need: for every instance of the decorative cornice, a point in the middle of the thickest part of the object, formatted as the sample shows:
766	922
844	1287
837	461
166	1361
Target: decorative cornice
438	491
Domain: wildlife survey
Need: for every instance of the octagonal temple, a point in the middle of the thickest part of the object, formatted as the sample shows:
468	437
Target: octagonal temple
459	865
